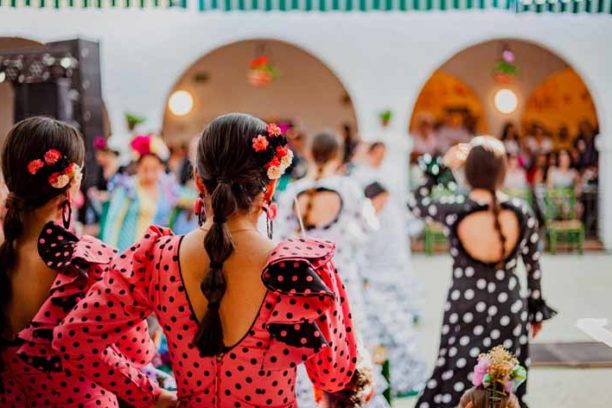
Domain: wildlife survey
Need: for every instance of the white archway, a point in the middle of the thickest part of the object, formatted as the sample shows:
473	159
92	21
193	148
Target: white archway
474	66
307	92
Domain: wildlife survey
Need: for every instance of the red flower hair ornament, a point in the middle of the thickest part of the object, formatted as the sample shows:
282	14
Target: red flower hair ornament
57	168
272	151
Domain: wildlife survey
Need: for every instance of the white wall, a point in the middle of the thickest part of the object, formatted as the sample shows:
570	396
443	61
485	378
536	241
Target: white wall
382	59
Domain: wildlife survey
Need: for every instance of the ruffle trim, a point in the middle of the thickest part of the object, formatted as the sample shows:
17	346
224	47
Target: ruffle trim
540	311
296	272
78	262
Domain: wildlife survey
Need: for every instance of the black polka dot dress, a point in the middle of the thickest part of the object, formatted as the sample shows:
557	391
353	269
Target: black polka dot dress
304	318
484	307
33	373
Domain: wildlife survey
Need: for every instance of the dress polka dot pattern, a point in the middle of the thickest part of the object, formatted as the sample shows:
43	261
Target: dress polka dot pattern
304	318
484	306
34	374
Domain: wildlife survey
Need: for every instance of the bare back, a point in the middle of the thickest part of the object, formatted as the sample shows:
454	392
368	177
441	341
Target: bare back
245	290
481	240
319	208
31	281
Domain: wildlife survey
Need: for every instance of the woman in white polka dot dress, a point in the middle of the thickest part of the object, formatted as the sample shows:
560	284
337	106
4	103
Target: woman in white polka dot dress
488	233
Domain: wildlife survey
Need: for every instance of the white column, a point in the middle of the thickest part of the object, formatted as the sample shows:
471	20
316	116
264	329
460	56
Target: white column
605	190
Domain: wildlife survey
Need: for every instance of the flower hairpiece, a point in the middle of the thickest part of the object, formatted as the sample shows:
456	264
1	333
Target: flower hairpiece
143	145
272	151
499	367
61	171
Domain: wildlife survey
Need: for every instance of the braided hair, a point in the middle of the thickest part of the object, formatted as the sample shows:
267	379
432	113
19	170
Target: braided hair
324	148
28	140
234	174
485	168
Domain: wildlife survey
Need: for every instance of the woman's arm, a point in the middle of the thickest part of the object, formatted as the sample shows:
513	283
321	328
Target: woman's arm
113	313
549	179
537	308
332	369
423	205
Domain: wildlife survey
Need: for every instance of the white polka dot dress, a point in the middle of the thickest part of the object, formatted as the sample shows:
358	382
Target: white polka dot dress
484	307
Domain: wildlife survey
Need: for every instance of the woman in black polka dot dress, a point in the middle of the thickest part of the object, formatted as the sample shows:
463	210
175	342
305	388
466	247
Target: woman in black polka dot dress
239	313
488	234
45	270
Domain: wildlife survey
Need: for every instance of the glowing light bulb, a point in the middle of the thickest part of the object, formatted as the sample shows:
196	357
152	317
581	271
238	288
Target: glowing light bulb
505	101
180	103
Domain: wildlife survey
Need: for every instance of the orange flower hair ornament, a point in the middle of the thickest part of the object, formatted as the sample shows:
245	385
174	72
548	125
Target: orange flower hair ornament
57	168
272	152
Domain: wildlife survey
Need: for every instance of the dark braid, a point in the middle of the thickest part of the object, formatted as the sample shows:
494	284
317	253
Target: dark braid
485	168
12	228
219	246
28	140
495	209
325	147
233	177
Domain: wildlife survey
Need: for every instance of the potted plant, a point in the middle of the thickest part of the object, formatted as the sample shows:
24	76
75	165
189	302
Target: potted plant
133	120
385	117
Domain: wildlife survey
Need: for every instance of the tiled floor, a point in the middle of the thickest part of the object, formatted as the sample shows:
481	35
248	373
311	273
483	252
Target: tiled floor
577	286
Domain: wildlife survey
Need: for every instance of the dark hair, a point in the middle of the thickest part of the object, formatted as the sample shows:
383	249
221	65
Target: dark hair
29	140
233	177
375	146
506	130
354	395
485	168
481	398
324	148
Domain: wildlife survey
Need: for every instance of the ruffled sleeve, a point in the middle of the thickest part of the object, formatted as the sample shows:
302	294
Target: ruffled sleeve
114	311
538	309
78	264
424	205
311	320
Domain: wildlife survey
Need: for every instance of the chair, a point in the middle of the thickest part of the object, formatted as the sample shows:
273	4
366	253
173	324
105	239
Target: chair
522	193
433	233
562	224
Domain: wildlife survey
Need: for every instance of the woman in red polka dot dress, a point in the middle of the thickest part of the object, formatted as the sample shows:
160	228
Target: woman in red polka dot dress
44	271
239	312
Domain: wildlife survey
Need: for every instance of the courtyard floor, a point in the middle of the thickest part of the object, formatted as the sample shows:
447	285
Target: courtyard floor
577	286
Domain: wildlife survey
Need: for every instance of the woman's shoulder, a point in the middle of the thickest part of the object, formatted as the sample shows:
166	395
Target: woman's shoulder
298	265
156	240
521	207
306	285
62	250
78	262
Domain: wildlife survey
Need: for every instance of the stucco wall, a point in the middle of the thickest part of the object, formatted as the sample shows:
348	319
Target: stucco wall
382	59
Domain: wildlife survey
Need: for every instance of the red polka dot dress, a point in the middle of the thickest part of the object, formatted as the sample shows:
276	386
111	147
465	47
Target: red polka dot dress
34	374
304	318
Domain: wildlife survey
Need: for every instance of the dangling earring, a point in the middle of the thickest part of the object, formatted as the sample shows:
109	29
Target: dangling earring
271	210
67	214
200	210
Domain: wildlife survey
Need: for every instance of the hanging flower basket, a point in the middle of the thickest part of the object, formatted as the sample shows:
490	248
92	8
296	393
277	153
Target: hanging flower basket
505	69
385	117
261	72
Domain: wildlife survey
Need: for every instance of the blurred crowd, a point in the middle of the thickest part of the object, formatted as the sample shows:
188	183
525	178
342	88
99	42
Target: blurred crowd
537	157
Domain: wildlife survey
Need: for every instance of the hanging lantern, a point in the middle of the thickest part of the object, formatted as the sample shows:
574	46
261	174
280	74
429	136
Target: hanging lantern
505	69
261	71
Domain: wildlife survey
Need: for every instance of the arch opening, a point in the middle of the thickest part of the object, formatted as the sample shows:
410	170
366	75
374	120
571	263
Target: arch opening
509	86
271	79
